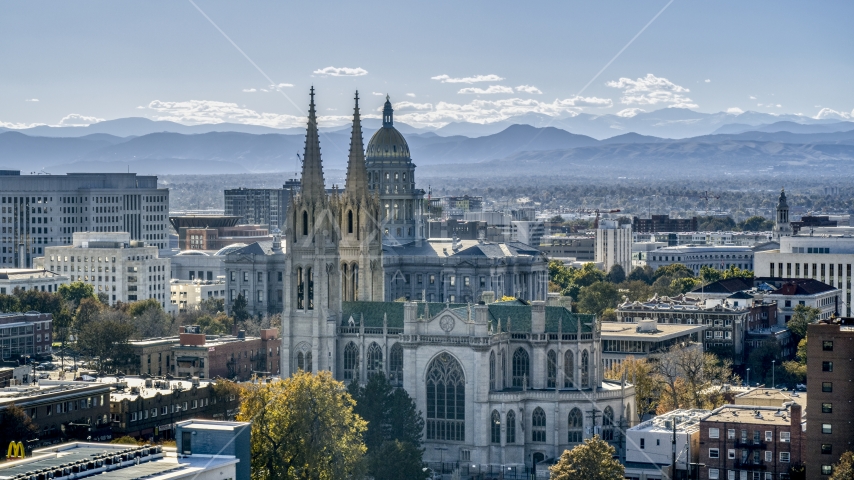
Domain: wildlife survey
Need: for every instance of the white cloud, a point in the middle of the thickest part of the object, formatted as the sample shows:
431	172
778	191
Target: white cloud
474	79
378	94
410	95
779	106
32	100
492	89
485	111
342	71
835	114
402	107
282	85
195	112
249	90
752	97
18	126
140	107
708	80
630	112
651	90
75	119
528	89
589	102
734	110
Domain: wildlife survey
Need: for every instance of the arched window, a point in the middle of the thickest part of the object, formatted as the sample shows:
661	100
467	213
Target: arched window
355	281
305	222
585	370
608	424
511	427
576	426
521	368
300	289
345	282
310	288
395	365
503	370
446	399
375	359
538	424
551	369
308	362
492	370
629	415
495	427
568	370
351	362
300	361
349	221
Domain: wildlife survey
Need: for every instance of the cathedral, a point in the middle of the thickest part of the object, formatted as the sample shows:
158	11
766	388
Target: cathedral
501	384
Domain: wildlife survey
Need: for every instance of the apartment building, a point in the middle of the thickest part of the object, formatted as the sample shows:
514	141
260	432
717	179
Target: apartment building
261	206
188	295
124	270
39	211
25	334
614	245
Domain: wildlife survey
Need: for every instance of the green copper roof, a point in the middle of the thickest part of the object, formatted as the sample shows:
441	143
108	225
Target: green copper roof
374	311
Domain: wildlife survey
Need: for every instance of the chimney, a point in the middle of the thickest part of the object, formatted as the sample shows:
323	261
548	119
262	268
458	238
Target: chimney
795	412
538	317
488	297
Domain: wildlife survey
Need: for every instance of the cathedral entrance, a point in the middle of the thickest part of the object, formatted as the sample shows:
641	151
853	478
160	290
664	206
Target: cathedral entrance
536	458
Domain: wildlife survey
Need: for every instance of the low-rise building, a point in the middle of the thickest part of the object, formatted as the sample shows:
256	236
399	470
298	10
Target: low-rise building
149	407
206	450
124	270
212	232
748	441
199	265
576	247
30	279
649	445
770	397
663	223
187	295
644	339
697	256
25	334
63	410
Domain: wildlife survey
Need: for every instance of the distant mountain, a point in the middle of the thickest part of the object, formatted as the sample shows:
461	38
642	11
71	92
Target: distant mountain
786	126
633	138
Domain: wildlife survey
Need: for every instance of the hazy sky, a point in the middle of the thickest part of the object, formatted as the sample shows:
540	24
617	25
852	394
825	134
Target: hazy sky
76	62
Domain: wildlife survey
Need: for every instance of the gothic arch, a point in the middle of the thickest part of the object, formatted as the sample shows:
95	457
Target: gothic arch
551	369
510	434
395	365
351	362
492	370
375	359
446	399
495	427
568	369
575	424
585	369
538	425
608	424
521	368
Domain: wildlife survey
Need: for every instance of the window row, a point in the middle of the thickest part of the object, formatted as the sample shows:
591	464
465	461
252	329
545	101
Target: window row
374	362
520	373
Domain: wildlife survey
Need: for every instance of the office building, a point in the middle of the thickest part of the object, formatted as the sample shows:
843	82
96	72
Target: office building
569	248
830	390
30	279
258	206
24	334
188	295
749	441
663	223
210	356
695	257
213	232
199	265
39	211
124	270
644	339
614	245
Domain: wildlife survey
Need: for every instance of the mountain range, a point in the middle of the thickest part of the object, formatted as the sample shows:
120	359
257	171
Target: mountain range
146	146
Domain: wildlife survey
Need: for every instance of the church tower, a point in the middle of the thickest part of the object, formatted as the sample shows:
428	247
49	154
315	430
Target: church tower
360	248
311	277
782	227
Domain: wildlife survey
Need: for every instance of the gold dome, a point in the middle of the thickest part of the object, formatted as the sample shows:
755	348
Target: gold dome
387	142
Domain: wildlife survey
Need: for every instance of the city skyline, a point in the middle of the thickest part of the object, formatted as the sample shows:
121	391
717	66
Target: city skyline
212	62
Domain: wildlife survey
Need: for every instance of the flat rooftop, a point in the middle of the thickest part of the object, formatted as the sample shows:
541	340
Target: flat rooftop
664	331
751	414
687	421
20	393
131	388
112	462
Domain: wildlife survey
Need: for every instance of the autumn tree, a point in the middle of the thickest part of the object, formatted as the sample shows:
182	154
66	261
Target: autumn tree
303	427
646	380
592	460
690	377
16	426
106	339
844	468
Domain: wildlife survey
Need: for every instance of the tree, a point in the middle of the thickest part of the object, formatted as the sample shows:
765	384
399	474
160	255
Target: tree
802	317
735	272
149	319
106	339
88	310
636	290
684	285
588	275
303	427
796	370
75	292
597	297
715	224
643	274
844	468
689	376
709	275
594	459
238	309
556	219
756	224
560	276
226	399
647	381
616	274
16	426
395	460
760	359
674	270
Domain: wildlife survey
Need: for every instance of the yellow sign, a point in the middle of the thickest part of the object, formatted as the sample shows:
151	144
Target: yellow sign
16	450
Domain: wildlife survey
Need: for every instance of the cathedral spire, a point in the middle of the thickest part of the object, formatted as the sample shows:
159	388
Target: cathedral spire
357	173
312	166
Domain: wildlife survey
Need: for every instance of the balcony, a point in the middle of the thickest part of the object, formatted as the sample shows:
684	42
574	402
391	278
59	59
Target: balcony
749	444
749	465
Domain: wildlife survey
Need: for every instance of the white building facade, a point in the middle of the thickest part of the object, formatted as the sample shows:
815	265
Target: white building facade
30	279
614	245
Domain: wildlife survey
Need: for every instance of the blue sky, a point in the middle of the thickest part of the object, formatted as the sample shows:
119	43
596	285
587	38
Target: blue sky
78	62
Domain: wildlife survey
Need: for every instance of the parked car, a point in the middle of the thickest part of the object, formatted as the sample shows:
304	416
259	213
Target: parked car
801	387
44	375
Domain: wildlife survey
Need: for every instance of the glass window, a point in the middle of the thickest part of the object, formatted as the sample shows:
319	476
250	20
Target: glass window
511	427
538	424
826	366
445	399
575	424
714	474
826	387
827	345
826	408
495	427
827	469
826	449
714	453
521	368
826	428
714	433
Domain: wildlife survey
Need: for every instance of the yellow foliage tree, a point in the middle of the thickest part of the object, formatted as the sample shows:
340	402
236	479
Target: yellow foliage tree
646	379
303	427
594	459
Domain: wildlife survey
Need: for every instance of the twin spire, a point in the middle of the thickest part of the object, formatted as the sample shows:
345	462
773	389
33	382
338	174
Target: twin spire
312	167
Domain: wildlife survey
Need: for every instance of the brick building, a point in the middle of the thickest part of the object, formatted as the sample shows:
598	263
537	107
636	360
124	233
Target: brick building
749	442
663	223
830	390
25	334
